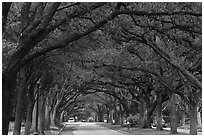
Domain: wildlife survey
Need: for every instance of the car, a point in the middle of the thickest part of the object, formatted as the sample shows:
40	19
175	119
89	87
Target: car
84	120
71	119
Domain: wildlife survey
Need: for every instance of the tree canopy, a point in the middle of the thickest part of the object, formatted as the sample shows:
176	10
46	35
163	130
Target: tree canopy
131	54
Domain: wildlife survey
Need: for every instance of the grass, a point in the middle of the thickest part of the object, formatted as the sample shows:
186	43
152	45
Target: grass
139	131
53	130
188	128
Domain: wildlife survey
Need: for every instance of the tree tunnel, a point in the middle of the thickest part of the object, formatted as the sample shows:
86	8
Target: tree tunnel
118	62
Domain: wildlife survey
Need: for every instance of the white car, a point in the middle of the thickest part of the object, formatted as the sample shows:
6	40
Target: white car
71	119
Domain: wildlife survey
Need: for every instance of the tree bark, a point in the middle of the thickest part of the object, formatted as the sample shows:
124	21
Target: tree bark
193	120
108	116
141	121
47	117
56	115
199	118
5	10
100	117
18	115
173	116
96	118
19	108
159	113
148	120
41	115
183	118
62	116
122	120
57	120
117	120
35	117
8	87
29	118
116	117
52	117
31	103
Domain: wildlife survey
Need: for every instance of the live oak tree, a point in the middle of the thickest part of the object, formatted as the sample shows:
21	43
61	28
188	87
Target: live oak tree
151	33
170	38
32	24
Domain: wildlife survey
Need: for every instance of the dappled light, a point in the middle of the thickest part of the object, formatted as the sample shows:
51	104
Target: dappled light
101	68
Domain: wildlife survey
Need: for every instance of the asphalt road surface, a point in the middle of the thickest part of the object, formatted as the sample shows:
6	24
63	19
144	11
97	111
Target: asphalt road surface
86	128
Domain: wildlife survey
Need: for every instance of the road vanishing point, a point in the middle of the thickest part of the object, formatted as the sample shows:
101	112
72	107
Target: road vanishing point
87	128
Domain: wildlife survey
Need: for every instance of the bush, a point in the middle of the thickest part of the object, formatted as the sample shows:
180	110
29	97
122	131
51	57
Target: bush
91	119
133	120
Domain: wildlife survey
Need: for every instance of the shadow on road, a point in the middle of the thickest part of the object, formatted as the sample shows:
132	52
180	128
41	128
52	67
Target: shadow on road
69	129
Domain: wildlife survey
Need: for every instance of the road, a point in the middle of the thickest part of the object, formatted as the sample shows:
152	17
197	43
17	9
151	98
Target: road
86	128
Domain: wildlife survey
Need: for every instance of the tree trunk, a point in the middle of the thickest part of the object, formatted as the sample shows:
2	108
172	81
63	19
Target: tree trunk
35	117
193	120
57	120
148	120
19	106
121	115
141	121
62	116
31	103
5	10
41	115
112	117
173	116
199	118
19	111
29	118
100	117
108	116
47	117
122	120
159	113
117	120
116	117
8	87
52	117
56	115
183	118
96	118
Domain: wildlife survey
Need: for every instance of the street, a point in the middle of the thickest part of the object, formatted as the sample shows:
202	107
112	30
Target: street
87	128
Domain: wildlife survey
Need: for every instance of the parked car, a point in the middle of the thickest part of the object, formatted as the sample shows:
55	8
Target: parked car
71	119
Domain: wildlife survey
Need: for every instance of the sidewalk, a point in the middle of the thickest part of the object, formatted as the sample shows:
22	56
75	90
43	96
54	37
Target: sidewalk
138	131
182	130
68	128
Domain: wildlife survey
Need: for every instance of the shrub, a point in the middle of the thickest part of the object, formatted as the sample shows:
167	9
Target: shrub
133	120
91	119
